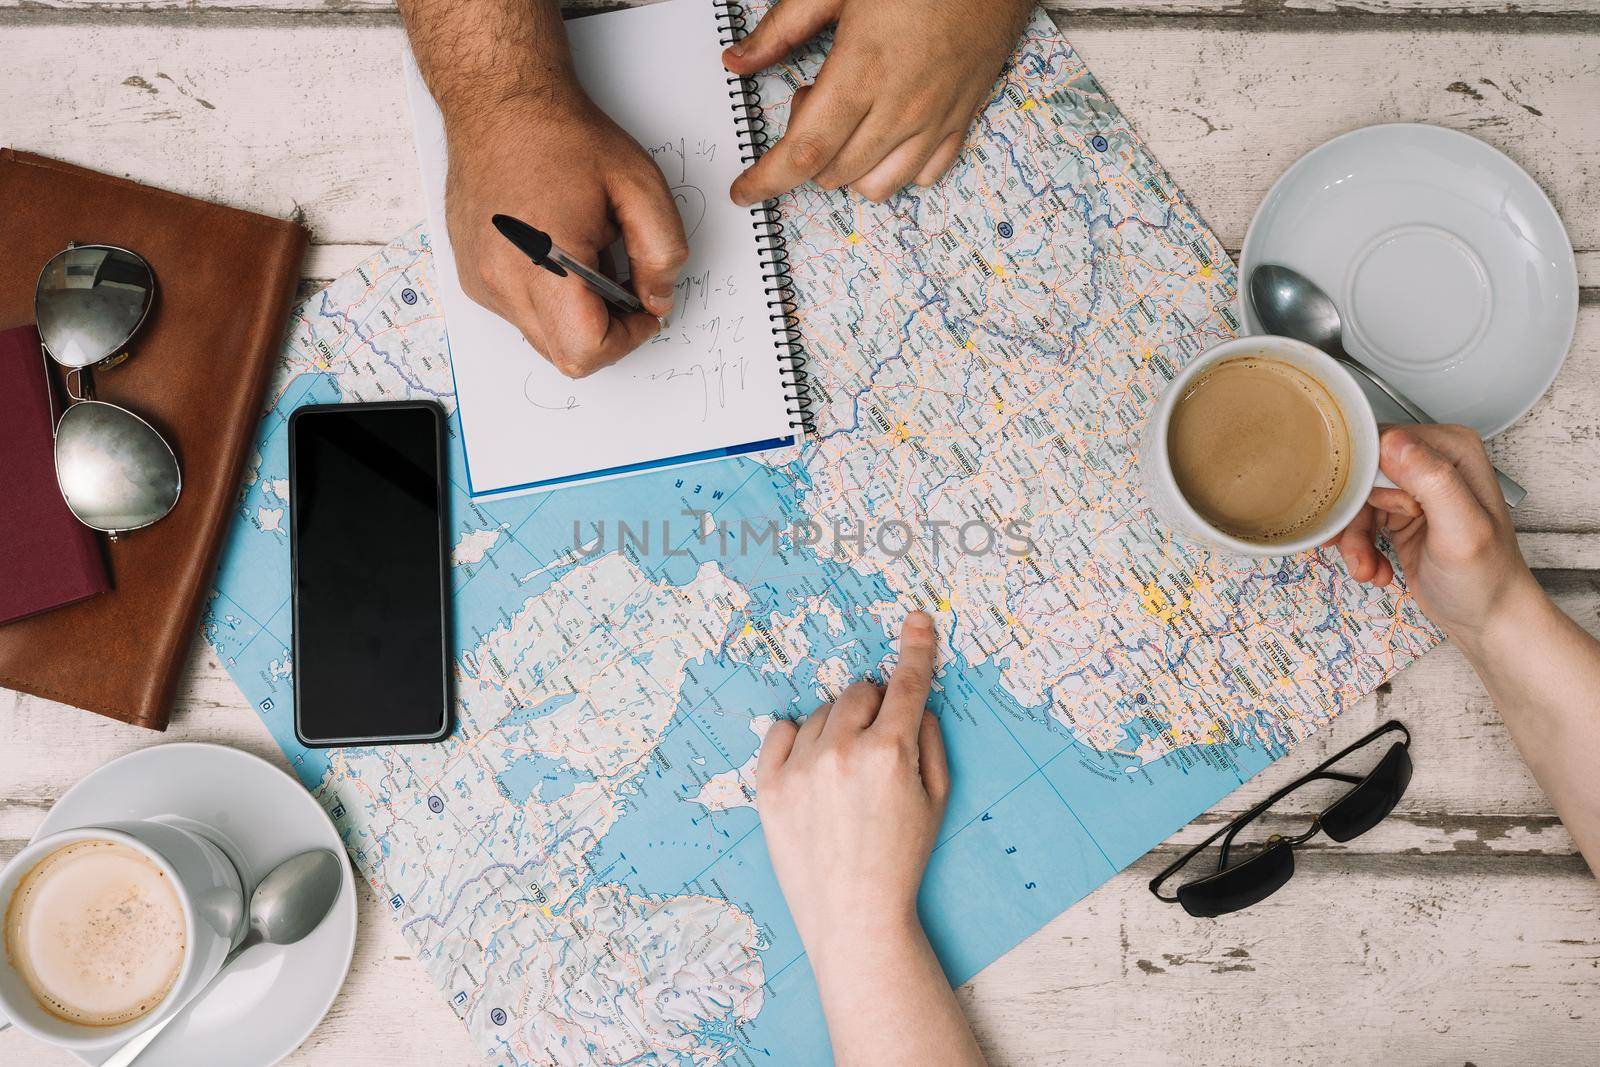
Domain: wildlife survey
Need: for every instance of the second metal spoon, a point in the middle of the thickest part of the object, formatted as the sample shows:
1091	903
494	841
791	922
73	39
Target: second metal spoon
1291	305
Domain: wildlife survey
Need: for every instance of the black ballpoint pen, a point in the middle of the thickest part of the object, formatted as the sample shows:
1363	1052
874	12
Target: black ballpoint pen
537	246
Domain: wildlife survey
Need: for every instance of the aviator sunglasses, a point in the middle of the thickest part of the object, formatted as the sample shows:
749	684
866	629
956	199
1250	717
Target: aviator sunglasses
115	471
1250	880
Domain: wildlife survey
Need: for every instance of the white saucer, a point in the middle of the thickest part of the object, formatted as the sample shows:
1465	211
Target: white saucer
1453	274
273	996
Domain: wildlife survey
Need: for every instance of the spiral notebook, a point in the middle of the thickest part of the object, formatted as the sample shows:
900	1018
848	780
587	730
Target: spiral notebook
726	377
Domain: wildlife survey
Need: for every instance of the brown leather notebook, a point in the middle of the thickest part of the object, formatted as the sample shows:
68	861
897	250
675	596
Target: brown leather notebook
224	282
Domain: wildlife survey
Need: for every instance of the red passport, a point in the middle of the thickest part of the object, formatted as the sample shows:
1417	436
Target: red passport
51	558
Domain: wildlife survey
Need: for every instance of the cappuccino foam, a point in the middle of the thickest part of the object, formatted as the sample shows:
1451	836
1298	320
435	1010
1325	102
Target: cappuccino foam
97	932
1259	448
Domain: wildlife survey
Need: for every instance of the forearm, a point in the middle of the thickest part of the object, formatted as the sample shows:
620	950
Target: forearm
888	1002
478	56
1543	673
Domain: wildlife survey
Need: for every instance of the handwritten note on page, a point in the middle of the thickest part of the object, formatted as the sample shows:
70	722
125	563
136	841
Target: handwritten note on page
712	383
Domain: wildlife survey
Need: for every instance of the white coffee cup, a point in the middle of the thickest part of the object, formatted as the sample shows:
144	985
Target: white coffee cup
208	888
1155	464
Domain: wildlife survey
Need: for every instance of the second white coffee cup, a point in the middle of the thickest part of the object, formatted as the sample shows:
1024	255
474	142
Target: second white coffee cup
213	903
1155	463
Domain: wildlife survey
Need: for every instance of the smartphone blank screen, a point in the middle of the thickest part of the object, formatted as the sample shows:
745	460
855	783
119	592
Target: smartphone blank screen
369	575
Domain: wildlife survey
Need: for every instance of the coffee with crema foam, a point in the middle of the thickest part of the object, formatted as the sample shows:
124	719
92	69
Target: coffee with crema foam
97	932
1259	448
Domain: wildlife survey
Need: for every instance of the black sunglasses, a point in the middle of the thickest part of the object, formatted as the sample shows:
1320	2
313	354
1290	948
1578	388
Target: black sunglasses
1250	881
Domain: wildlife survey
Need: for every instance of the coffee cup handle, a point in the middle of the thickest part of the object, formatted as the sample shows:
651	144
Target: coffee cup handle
1381	481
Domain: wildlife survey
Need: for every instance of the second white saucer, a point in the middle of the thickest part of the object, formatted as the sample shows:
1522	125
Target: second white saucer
1453	274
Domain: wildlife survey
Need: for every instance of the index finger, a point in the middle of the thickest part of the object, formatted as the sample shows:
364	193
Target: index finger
906	696
814	137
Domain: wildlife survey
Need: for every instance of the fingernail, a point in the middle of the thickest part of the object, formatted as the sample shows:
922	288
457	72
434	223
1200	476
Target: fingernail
736	50
918	622
662	302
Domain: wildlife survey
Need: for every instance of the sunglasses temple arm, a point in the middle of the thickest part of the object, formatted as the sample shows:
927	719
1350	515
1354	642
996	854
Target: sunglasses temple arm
1349	779
1388	727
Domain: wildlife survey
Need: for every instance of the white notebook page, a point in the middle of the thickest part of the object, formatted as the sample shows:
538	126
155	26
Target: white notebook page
712	382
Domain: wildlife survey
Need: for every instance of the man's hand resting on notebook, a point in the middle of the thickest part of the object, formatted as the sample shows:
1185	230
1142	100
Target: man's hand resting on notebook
1449	527
894	98
526	141
851	803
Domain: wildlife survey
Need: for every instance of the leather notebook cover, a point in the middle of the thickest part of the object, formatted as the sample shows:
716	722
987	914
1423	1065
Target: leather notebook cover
49	557
224	282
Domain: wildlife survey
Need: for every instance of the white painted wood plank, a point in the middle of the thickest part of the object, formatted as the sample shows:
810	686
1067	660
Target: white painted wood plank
308	115
325	262
1561	551
1588	268
1555	449
1060	9
1435	961
1229	110
302	119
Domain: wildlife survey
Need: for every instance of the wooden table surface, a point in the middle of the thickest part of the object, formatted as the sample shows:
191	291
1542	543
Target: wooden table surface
1464	929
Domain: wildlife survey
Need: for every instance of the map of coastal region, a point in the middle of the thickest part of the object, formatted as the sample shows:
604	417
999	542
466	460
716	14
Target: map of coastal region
580	867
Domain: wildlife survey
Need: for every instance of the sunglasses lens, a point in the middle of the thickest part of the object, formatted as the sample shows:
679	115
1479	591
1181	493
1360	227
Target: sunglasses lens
116	472
1241	885
1370	803
89	301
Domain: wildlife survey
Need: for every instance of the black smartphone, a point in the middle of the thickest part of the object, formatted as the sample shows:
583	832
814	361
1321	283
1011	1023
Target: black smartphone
371	572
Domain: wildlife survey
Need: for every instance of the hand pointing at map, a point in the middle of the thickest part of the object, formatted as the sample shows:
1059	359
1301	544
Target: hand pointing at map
851	803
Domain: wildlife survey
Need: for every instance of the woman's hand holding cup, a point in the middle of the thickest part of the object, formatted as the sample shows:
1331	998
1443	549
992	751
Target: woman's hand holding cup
1449	527
1431	488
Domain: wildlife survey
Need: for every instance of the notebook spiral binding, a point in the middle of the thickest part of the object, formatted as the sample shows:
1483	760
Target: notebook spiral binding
767	222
